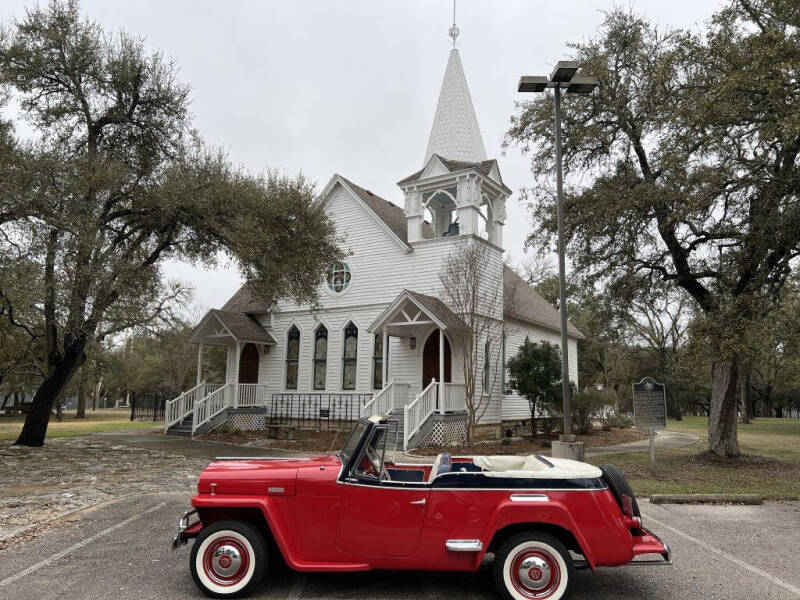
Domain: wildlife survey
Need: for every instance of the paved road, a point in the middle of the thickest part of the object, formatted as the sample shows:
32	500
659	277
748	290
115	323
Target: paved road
121	550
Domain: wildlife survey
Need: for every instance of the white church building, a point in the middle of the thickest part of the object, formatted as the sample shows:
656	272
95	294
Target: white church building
382	338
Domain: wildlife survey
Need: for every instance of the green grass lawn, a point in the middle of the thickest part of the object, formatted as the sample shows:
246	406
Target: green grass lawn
111	419
770	467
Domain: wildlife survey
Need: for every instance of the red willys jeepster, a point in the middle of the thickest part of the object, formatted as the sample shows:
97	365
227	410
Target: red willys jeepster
540	517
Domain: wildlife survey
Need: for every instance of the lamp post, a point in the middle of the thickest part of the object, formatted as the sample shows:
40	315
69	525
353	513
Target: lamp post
563	77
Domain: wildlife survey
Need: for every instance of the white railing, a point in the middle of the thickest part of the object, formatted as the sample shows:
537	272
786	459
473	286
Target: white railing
210	406
251	394
452	397
181	407
393	396
416	413
178	408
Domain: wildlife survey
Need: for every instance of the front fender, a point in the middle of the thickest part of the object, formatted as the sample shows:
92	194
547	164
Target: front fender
274	509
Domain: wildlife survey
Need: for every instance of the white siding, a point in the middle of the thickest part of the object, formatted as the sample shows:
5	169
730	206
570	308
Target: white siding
515	406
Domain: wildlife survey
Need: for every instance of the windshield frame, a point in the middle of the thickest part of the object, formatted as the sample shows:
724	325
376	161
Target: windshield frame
361	425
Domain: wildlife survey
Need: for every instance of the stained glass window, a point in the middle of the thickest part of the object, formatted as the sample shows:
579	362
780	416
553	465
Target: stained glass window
292	356
320	357
338	277
349	357
377	363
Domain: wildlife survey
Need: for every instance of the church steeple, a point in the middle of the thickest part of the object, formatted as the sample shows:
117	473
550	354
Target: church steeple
455	133
457	191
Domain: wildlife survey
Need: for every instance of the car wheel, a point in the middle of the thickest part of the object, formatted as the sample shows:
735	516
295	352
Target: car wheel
228	559
533	566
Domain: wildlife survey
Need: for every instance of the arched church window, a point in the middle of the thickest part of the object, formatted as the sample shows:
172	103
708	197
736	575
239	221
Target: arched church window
320	357
377	362
486	367
349	357
338	277
292	357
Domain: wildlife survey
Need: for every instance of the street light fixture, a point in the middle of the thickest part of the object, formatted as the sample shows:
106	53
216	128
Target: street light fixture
563	77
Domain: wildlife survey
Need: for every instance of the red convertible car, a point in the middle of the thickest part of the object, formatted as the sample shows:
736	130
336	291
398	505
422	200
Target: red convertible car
540	517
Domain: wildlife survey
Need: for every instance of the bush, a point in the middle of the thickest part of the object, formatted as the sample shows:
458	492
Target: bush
586	407
546	443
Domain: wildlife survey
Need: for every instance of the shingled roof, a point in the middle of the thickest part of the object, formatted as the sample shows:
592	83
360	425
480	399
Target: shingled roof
241	326
244	301
388	212
438	309
525	303
484	167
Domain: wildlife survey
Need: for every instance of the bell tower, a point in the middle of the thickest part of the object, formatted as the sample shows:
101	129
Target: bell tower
458	191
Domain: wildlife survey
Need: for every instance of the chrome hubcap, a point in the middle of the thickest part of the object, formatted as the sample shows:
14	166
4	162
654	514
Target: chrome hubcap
226	560
534	573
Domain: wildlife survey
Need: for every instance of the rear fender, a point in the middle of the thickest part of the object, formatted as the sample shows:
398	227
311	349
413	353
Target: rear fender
550	513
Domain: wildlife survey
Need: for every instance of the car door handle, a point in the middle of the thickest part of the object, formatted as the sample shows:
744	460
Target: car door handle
418	502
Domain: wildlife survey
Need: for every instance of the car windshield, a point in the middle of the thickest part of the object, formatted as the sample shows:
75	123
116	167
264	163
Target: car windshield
352	441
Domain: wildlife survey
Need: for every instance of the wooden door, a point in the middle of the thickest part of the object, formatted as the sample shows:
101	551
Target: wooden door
430	360
248	364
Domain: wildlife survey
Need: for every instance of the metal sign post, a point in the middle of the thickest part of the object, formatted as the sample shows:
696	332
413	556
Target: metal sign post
650	410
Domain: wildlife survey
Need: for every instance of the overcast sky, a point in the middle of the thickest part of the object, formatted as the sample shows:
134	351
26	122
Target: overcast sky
350	87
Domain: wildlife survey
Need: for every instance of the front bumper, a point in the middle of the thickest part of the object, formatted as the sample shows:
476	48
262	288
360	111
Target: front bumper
649	543
187	531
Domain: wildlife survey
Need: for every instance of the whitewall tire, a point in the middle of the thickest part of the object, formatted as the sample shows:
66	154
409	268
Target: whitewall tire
228	559
533	566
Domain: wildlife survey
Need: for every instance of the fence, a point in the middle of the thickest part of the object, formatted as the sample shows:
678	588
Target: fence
320	411
147	407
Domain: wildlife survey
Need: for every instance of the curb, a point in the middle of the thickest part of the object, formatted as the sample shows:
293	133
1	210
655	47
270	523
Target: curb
752	499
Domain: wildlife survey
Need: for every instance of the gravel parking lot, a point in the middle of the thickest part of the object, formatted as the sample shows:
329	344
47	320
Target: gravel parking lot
121	550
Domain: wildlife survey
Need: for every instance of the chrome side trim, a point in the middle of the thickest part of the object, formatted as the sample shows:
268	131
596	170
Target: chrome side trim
464	545
529	498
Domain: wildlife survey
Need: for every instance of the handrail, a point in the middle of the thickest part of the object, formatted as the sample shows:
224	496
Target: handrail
252	394
178	408
416	413
211	405
380	403
452	397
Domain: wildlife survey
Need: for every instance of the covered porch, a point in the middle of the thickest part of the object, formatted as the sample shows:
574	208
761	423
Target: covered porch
422	374
246	344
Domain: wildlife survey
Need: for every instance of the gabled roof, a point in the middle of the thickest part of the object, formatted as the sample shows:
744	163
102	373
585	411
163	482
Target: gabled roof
242	327
455	133
524	303
484	167
244	301
388	212
436	310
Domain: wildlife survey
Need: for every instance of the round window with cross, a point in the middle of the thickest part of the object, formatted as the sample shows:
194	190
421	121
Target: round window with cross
338	277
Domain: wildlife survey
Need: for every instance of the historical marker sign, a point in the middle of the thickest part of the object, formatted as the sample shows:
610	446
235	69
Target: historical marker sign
649	404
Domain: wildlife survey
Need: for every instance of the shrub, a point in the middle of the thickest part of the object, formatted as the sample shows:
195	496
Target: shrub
586	407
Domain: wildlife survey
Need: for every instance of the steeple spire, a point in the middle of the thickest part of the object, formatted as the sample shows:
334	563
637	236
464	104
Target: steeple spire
455	133
454	30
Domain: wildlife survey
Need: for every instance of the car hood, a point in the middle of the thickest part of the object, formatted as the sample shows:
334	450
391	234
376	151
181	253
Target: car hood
263	476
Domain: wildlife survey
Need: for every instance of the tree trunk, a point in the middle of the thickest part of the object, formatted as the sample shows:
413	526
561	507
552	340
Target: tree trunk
722	418
60	372
80	413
